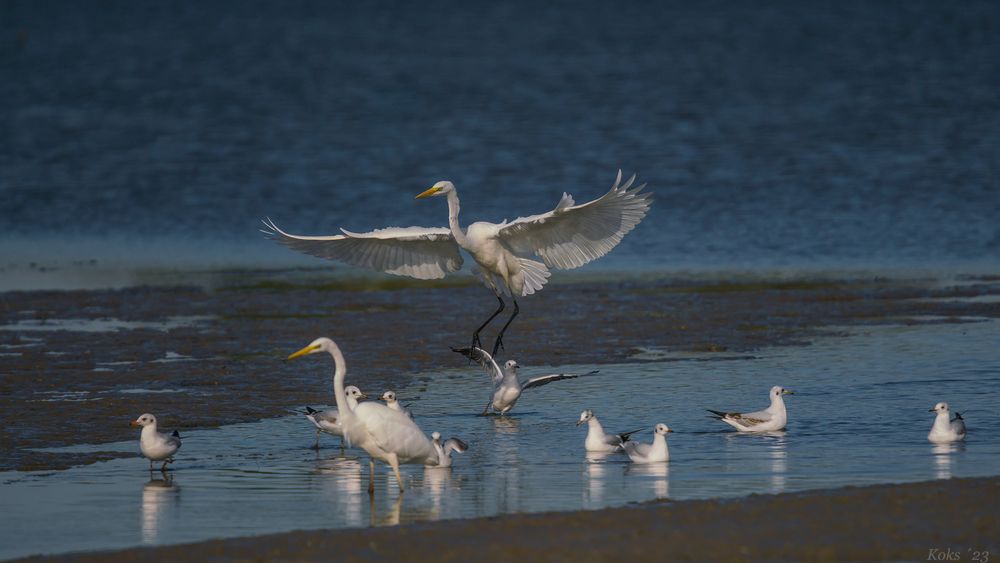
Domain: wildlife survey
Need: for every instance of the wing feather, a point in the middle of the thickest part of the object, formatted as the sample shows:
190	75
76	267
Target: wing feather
485	360
572	235
417	252
546	379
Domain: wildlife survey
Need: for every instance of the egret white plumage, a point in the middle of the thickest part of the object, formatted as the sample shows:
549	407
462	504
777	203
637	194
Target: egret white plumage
387	435
156	445
774	417
567	237
650	453
390	401
507	387
597	440
946	428
329	420
444	449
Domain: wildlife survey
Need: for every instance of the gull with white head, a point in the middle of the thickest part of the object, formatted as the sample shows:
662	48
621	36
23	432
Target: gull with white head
390	401
946	428
774	417
567	237
507	387
444	449
597	440
328	420
156	445
650	453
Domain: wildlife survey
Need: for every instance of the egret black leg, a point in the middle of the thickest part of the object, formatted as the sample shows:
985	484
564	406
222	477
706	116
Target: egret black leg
499	343
475	335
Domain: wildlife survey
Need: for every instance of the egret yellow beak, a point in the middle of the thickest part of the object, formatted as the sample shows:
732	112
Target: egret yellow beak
302	352
429	192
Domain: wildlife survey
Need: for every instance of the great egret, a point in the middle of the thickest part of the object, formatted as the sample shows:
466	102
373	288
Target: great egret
444	450
770	419
156	445
329	420
946	429
387	435
650	453
597	440
507	387
390	401
567	237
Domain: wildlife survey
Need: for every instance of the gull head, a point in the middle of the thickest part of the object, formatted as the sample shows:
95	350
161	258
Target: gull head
444	187
321	344
388	396
585	416
143	420
436	437
940	408
352	391
778	391
662	429
511	365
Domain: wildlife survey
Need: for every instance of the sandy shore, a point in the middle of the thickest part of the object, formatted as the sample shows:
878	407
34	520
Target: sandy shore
912	522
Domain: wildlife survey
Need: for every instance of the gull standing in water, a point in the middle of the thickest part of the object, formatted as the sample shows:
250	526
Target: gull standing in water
597	440
507	387
390	401
650	453
444	450
774	417
156	445
387	435
567	237
946	428
329	420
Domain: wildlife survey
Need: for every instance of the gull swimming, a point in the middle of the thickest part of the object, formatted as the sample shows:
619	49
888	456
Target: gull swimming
390	401
387	435
597	440
329	420
774	417
650	453
567	237
945	428
156	445
507	387
444	450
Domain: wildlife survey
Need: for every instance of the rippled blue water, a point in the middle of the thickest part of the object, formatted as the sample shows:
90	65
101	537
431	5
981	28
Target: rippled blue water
791	133
859	416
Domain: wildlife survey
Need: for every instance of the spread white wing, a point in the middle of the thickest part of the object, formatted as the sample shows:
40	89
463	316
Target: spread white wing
418	252
485	360
572	235
546	379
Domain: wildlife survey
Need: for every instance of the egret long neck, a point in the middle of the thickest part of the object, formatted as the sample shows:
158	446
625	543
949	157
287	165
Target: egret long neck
456	229
340	369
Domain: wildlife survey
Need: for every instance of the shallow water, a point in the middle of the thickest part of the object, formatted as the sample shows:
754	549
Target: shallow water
859	416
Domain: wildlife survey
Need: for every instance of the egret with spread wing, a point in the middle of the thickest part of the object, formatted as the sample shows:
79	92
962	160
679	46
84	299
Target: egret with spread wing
507	387
567	237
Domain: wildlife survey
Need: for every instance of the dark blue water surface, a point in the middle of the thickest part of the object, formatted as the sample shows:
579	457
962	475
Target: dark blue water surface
782	133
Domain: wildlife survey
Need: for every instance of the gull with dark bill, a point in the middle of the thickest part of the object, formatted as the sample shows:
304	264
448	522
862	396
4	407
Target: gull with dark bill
390	401
567	237
444	449
650	453
156	445
328	421
597	440
507	387
774	417
946	428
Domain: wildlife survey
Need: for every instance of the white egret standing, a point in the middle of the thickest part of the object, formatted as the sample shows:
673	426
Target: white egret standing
507	387
774	417
156	445
567	237
329	420
387	435
946	428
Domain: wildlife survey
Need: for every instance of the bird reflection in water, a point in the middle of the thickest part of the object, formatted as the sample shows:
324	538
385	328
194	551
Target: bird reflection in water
159	496
342	483
596	471
943	458
658	473
389	518
779	461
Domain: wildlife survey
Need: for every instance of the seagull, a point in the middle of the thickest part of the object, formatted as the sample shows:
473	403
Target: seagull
444	450
155	445
390	401
772	418
597	440
506	386
386	435
946	429
650	453
329	420
567	237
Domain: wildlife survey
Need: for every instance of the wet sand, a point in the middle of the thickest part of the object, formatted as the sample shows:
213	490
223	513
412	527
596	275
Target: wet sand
910	522
208	355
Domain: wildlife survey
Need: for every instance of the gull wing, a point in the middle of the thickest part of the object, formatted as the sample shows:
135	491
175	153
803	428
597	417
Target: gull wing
638	448
418	252
572	235
748	420
456	445
173	440
484	359
546	379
